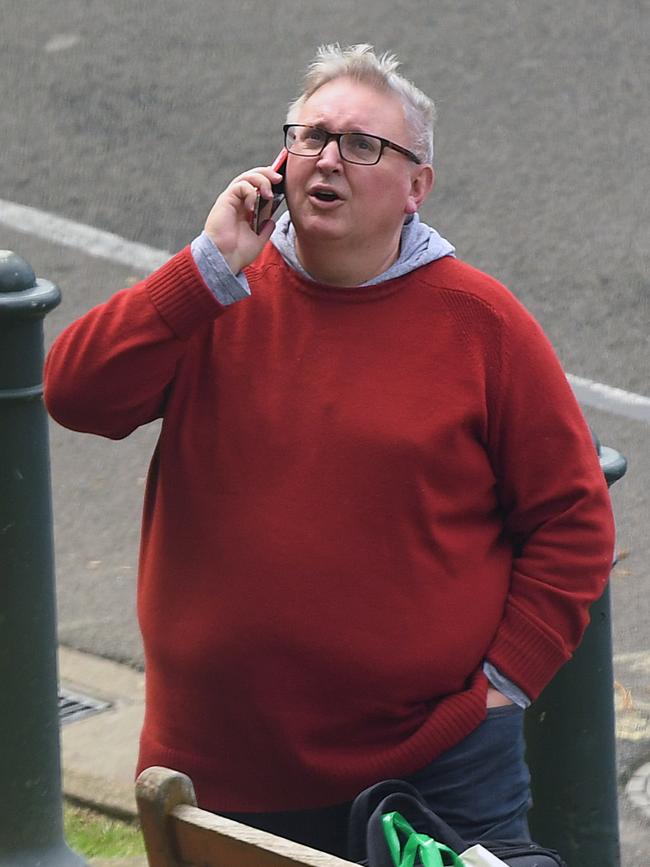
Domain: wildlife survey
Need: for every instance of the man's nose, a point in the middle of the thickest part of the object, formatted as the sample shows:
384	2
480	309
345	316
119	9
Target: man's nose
330	156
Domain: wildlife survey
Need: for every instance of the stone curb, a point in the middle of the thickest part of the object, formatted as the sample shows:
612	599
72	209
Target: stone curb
99	753
139	861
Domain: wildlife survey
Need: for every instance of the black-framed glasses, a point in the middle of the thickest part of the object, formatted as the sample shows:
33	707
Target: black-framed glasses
359	148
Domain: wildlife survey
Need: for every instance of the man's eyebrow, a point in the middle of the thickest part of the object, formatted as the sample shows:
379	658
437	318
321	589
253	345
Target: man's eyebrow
354	129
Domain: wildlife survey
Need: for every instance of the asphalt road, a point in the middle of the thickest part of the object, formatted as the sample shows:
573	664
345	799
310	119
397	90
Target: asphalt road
132	117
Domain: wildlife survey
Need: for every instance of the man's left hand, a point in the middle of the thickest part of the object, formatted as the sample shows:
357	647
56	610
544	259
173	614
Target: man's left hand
496	698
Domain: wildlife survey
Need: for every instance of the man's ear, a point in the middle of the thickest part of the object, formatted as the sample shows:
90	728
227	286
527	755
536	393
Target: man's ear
422	181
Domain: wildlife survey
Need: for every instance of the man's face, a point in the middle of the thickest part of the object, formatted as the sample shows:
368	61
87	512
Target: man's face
371	201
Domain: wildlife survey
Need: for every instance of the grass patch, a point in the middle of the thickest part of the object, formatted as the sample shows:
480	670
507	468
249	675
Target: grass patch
95	835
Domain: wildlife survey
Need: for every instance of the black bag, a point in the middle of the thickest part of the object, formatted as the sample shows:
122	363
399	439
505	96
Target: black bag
367	842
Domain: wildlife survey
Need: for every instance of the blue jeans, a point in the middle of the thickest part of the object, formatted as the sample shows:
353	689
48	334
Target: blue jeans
480	787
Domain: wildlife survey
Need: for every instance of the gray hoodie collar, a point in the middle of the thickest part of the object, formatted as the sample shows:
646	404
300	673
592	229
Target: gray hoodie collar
419	246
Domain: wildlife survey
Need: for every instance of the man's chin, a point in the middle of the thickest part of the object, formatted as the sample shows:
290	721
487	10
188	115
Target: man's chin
320	226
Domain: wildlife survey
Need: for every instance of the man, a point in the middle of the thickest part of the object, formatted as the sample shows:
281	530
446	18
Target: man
375	519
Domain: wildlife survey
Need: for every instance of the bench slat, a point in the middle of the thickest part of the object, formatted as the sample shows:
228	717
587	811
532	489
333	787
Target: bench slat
177	833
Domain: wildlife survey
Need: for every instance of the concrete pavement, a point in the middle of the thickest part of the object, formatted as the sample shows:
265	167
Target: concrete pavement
99	752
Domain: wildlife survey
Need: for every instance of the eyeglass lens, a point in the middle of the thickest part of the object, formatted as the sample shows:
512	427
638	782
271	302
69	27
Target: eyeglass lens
353	146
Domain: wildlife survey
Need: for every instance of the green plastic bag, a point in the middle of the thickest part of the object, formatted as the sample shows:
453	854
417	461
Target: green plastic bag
428	851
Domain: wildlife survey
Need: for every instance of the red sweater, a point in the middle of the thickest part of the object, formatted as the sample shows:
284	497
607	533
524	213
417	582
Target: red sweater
358	496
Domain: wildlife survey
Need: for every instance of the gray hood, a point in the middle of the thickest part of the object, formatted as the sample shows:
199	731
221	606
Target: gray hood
420	245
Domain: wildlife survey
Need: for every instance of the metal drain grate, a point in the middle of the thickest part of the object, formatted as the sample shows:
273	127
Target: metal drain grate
74	706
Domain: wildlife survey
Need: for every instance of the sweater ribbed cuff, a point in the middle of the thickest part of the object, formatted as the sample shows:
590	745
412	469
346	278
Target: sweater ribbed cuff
524	653
180	295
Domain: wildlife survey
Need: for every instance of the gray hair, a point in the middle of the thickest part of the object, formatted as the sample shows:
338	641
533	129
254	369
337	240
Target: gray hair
361	63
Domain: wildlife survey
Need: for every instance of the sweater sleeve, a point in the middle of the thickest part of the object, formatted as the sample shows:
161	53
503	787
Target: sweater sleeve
109	372
556	508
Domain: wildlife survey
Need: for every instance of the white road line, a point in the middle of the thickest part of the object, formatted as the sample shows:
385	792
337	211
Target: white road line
610	399
106	245
637	661
94	242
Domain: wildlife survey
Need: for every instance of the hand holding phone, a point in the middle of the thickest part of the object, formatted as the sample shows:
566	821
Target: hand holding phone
240	208
265	208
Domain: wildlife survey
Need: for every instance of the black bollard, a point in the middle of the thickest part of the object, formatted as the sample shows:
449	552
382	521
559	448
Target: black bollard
571	740
31	813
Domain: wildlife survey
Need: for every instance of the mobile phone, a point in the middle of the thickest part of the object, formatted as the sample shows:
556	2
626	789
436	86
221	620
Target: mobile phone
265	208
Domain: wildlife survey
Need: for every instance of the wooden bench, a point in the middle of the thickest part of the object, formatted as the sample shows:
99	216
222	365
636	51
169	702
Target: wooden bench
177	833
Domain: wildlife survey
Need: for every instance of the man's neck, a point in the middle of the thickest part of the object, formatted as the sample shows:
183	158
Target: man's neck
339	264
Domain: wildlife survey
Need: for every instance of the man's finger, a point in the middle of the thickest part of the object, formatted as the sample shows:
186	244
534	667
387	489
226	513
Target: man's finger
267	229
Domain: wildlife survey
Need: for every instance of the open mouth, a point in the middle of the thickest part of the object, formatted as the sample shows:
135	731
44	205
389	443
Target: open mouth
325	196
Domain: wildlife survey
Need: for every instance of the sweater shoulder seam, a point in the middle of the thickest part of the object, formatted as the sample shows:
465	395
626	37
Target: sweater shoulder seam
452	286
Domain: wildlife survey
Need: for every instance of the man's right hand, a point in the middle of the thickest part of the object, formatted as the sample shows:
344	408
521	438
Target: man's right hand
229	222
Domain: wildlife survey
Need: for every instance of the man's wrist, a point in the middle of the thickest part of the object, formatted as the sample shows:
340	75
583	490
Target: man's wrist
217	273
505	686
